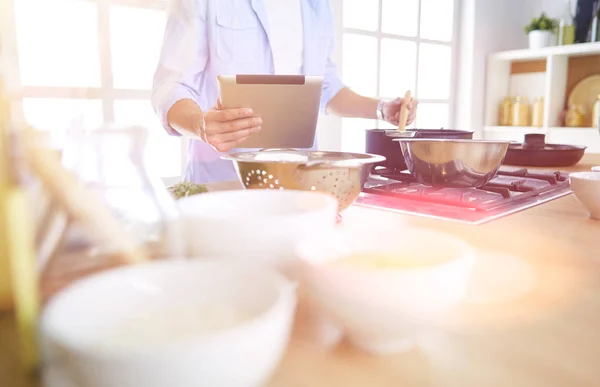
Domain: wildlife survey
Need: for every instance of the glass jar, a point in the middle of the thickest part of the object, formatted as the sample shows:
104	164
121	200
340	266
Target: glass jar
596	113
521	109
537	116
575	116
505	112
111	161
594	29
566	29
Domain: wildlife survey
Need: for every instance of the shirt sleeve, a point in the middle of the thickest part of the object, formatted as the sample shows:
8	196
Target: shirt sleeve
332	83
183	58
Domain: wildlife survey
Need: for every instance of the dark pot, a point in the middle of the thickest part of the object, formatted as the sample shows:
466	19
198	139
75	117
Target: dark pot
380	142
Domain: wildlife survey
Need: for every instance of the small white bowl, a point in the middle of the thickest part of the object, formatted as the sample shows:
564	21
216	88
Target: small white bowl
586	187
175	323
256	225
382	309
596	169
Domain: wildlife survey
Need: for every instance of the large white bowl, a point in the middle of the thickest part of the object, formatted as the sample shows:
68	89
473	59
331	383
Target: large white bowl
175	323
586	187
382	309
256	225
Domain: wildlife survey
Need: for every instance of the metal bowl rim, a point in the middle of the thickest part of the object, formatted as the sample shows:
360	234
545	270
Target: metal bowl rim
454	140
419	130
356	158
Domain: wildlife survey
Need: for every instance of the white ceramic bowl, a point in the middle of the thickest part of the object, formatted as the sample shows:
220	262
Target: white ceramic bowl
382	309
176	323
256	225
596	169
586	187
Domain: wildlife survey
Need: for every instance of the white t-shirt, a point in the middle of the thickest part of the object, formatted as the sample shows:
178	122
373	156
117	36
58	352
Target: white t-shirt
285	30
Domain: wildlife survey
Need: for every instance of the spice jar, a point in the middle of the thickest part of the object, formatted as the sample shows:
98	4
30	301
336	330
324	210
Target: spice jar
537	116
596	112
575	116
505	112
521	112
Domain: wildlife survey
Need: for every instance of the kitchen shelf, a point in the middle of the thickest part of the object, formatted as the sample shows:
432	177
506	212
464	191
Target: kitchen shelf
526	129
551	73
579	49
578	129
535	129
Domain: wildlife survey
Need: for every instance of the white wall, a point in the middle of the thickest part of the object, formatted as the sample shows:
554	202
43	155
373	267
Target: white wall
488	26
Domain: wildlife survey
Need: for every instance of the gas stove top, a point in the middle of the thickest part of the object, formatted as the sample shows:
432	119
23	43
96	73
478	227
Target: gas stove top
511	191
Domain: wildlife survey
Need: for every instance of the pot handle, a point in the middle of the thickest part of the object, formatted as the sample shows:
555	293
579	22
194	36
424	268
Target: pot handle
405	134
534	140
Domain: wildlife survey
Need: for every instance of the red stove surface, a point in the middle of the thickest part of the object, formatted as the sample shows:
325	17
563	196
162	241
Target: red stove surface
511	191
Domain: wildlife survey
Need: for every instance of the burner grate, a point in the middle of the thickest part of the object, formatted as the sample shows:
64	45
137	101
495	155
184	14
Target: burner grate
509	186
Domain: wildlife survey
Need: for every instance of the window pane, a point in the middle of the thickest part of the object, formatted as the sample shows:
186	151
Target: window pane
361	14
398	67
57	42
435	63
163	152
432	115
400	17
353	133
360	63
59	115
135	51
437	19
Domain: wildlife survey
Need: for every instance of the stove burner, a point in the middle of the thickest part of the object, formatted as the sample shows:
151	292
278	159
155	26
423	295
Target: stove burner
512	190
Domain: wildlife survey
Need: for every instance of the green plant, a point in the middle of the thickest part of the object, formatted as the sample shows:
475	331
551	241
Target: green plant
542	23
184	189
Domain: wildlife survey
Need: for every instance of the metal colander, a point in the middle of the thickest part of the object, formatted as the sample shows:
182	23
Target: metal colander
340	174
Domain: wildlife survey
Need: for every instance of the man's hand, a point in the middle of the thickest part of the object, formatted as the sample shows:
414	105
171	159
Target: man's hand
223	129
391	110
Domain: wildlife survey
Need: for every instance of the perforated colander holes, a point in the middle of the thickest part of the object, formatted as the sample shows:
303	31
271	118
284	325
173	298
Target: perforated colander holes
262	178
349	194
323	184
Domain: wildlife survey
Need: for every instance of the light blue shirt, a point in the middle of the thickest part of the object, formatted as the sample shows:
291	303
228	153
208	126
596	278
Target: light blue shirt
206	38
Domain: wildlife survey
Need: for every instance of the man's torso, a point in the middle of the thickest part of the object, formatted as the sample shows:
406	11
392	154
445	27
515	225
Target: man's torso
256	37
286	40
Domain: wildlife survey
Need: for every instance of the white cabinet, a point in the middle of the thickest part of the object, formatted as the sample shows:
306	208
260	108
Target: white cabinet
544	73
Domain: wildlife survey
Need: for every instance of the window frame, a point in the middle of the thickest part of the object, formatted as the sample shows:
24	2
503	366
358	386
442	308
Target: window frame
453	44
106	93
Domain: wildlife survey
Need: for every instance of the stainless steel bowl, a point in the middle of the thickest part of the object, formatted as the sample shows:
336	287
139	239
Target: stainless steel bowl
341	174
452	162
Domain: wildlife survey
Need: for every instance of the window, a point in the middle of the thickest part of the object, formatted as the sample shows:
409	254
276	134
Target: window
390	46
92	60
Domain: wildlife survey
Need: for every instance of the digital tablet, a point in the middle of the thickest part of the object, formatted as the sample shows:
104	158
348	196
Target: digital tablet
287	104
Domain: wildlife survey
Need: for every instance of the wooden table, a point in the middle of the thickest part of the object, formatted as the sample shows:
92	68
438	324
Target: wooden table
539	326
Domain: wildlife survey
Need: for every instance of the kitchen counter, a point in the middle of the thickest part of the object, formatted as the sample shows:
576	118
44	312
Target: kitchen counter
540	326
533	321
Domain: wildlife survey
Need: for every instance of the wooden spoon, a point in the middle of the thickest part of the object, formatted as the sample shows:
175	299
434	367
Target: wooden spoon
404	112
